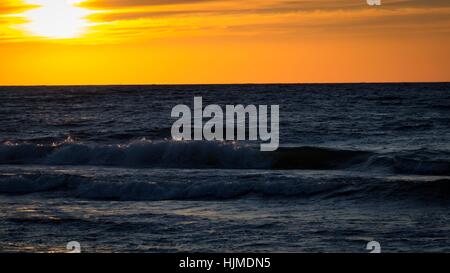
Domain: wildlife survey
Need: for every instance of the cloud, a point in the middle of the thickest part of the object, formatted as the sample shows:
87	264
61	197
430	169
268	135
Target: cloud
143	19
275	5
135	15
126	10
417	3
111	4
286	25
140	9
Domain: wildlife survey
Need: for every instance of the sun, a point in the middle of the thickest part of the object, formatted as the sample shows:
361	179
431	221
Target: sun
56	19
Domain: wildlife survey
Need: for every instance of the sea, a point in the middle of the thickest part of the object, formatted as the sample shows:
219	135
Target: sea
97	165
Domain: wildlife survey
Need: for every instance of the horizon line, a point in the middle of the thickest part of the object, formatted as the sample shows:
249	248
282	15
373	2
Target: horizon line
218	84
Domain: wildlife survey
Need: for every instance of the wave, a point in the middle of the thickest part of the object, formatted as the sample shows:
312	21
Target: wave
144	189
164	154
203	154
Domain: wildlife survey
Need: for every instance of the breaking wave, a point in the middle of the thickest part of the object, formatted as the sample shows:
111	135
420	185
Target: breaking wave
202	154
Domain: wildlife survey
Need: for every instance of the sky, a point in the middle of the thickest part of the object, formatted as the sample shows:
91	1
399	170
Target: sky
77	42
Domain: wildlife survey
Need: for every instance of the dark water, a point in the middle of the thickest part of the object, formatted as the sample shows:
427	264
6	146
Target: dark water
97	165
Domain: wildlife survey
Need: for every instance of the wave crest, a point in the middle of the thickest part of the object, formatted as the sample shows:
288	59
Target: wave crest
204	154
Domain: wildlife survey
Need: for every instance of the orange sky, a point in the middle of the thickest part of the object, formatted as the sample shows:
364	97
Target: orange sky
45	42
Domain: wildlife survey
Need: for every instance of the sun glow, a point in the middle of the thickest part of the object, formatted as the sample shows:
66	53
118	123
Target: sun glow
56	19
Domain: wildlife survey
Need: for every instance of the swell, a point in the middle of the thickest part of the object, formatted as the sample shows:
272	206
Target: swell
134	188
204	155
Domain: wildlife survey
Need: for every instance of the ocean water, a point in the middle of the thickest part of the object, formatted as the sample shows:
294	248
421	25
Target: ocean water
96	165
